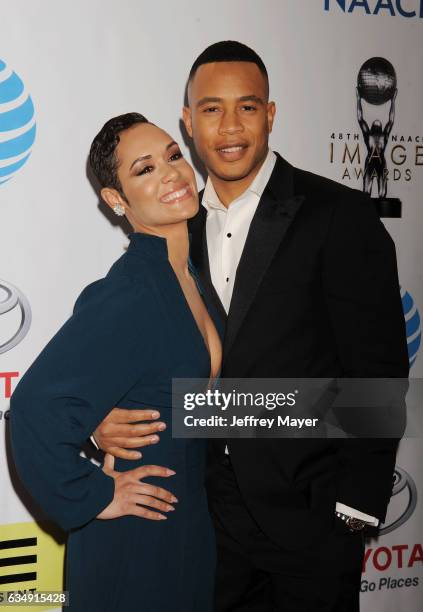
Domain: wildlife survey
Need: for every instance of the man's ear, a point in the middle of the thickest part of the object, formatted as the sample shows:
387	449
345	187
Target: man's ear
271	111
112	197
187	118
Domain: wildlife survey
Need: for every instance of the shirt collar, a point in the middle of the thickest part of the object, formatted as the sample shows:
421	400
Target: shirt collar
211	199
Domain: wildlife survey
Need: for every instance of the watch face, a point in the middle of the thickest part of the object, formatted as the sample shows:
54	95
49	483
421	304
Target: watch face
355	524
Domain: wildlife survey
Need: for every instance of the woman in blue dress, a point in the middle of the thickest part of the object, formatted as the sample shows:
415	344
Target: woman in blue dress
134	544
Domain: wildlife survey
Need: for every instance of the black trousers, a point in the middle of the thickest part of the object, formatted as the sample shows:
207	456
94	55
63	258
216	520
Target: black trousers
256	575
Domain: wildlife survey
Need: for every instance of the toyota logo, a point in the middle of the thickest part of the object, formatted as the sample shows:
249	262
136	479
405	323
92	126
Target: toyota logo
10	298
403	481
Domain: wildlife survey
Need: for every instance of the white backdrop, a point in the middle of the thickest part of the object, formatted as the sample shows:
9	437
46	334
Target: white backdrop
84	62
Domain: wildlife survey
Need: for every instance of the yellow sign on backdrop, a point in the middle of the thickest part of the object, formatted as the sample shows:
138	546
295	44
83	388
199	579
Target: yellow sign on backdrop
32	560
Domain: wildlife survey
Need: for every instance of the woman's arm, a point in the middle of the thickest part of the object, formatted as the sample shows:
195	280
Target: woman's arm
89	365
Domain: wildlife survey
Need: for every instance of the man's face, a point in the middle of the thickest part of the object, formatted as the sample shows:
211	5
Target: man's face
229	118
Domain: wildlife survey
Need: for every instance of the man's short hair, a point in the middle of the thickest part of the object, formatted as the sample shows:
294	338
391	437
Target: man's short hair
228	51
103	160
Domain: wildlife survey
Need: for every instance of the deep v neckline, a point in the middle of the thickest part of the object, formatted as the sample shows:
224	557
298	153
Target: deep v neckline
191	314
155	247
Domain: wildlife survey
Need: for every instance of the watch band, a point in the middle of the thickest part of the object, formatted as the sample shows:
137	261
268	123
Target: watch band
354	524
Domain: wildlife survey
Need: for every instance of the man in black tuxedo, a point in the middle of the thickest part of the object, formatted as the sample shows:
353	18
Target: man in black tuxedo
305	274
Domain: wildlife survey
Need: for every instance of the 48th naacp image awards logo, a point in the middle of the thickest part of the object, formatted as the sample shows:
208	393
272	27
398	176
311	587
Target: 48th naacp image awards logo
375	155
412	326
377	85
15	316
403	501
17	123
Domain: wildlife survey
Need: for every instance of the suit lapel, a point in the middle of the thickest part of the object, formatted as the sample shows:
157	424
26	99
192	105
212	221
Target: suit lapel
200	258
275	212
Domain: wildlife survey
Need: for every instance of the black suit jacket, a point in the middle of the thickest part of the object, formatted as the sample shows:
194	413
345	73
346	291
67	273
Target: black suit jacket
316	295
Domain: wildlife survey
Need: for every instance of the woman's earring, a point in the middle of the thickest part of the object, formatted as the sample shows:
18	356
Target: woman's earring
119	210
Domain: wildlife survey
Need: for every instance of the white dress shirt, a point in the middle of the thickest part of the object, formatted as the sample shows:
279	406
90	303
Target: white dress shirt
226	231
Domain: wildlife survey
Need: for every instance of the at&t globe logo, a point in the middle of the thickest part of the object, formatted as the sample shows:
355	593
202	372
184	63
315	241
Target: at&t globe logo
17	123
412	325
15	316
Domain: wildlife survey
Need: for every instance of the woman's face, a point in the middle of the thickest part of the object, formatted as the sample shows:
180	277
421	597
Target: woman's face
158	183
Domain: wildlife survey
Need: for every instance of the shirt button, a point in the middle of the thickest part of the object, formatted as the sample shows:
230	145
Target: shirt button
227	279
229	235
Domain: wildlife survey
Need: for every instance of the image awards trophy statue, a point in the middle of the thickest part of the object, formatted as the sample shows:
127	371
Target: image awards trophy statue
377	85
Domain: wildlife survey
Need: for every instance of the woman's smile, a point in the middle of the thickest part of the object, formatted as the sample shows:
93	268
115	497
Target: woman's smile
177	195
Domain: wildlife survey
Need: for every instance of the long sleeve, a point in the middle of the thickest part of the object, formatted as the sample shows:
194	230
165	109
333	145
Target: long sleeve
83	372
363	298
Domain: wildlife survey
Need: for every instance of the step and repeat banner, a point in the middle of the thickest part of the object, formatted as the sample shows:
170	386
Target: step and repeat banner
346	78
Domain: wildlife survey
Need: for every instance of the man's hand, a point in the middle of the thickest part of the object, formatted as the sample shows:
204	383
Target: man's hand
131	494
121	430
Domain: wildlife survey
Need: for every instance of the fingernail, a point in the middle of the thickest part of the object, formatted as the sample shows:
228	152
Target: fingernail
154	439
162	427
163	518
137	455
155	415
171	472
171	509
174	500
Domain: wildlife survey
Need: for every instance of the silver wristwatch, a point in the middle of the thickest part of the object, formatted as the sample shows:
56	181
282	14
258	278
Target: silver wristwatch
354	524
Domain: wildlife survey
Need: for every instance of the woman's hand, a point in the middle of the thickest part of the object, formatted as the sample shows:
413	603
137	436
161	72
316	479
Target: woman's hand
131	491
